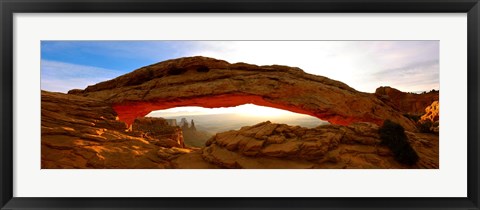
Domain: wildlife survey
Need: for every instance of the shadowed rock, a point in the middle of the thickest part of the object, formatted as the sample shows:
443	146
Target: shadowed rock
430	121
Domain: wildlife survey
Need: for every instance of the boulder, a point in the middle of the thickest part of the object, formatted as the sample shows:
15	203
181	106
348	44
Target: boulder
329	146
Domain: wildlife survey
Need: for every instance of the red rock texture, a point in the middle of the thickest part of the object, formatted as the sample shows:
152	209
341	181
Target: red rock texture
129	111
158	131
408	103
270	145
81	132
207	82
104	126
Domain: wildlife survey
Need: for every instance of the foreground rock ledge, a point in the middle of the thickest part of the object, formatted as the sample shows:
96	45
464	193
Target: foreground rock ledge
270	145
80	132
207	82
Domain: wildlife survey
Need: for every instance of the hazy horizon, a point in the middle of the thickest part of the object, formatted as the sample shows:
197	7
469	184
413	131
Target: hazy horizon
245	109
214	120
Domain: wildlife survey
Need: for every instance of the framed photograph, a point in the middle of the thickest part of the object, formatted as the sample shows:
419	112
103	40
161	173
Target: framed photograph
239	104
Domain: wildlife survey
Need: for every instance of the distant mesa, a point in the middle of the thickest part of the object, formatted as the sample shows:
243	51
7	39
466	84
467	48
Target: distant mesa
158	131
210	83
192	136
423	108
430	121
80	132
432	112
183	122
171	122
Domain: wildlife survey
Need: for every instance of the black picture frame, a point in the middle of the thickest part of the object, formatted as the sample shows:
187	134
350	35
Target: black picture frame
10	7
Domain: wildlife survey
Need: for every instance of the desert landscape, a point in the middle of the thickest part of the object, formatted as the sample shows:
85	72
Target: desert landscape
113	125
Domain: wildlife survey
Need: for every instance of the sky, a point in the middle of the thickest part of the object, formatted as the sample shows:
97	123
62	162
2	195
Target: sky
411	66
245	109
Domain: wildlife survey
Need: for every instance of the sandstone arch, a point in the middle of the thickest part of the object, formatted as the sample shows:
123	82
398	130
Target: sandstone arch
207	82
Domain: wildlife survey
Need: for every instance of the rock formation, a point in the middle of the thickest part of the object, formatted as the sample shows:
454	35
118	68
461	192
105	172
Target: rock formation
269	145
422	108
80	132
407	103
192	126
432	112
172	122
158	130
431	119
183	122
104	126
207	82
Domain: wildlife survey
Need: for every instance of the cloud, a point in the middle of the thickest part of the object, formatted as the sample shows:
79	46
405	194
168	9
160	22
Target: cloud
62	77
412	77
353	62
363	65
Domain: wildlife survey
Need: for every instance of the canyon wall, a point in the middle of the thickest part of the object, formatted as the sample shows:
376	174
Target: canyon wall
407	103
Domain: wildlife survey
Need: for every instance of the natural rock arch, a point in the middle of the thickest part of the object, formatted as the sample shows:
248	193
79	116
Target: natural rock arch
207	82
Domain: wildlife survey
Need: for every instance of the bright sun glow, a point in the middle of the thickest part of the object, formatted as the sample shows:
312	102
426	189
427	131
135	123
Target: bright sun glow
246	109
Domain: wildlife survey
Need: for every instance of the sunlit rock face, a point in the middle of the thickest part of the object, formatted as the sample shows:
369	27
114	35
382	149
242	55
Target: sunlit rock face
432	112
80	132
207	82
271	145
432	117
408	103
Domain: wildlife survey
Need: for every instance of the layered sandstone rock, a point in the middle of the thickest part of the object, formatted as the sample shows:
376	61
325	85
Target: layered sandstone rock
103	126
158	131
269	145
207	82
431	118
80	132
407	103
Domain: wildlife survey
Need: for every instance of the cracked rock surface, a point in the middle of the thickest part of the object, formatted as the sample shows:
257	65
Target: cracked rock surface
270	145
